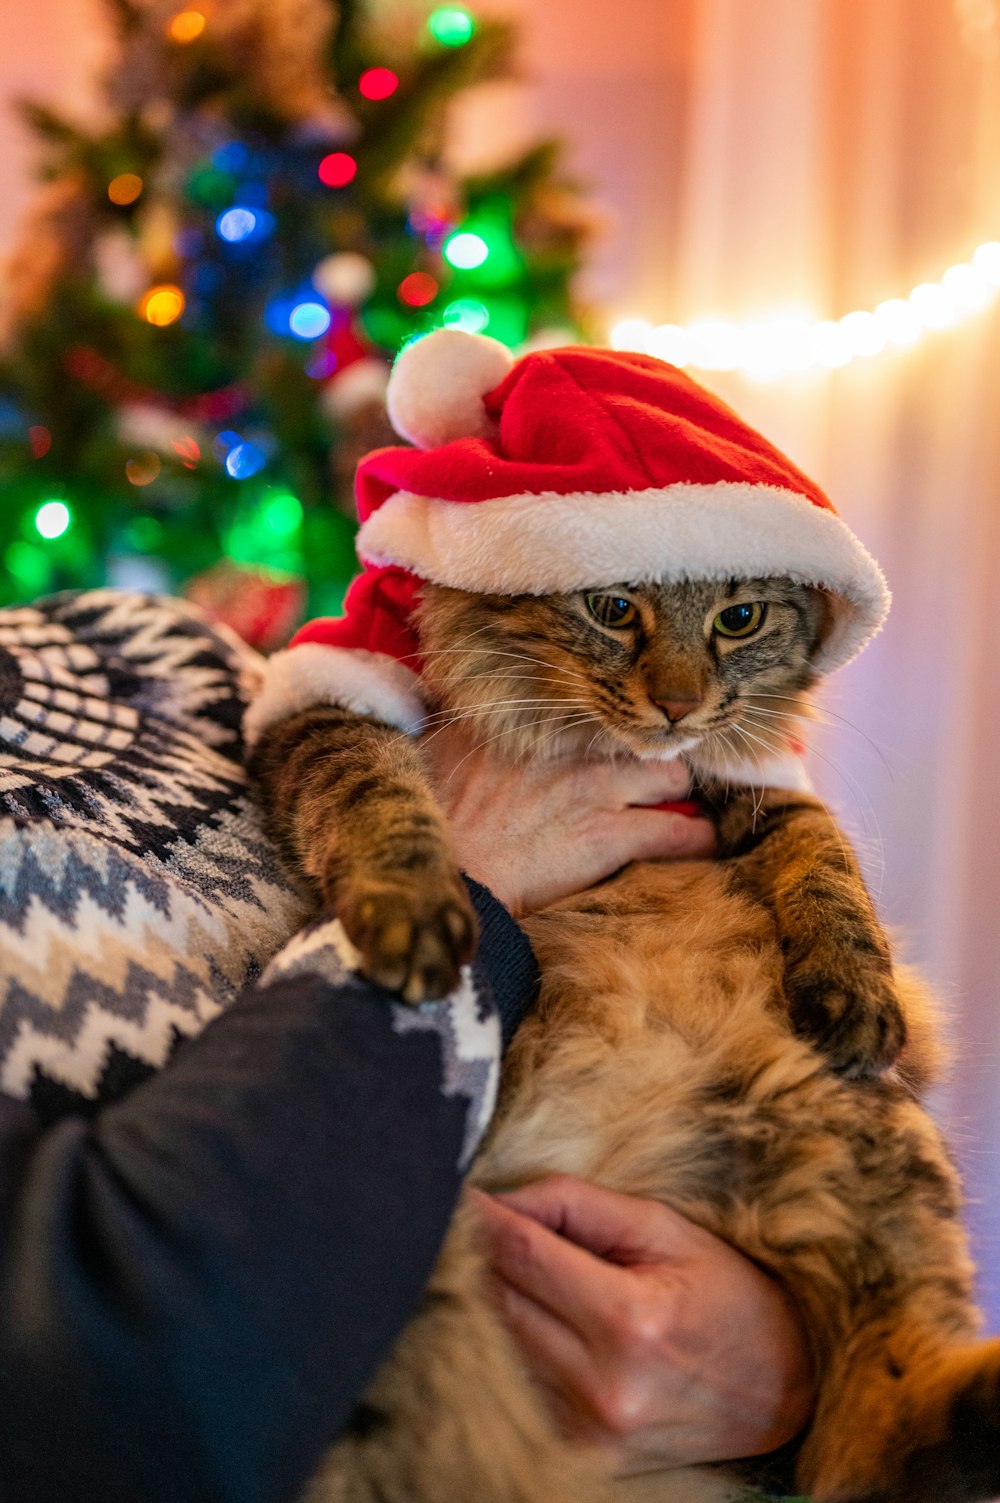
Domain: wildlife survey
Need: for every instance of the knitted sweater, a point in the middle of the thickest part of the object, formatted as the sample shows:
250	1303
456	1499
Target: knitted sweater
200	1265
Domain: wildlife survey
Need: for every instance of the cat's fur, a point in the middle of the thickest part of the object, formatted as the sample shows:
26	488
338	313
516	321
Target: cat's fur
724	1036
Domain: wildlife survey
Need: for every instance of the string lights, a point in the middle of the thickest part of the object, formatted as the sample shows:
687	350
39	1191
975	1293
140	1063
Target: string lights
769	348
162	305
52	519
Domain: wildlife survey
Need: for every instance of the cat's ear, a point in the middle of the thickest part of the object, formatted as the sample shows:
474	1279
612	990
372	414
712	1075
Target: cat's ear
438	383
824	610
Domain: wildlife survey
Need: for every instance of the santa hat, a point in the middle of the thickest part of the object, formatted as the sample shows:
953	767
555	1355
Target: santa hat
567	469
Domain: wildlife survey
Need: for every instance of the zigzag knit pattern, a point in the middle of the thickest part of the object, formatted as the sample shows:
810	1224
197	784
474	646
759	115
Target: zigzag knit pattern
138	893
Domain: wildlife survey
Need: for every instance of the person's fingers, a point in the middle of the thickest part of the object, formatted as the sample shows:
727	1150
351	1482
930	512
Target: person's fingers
650	834
623	1228
567	1281
640	780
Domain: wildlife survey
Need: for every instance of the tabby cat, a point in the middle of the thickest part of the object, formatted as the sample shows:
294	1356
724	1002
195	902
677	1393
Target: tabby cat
725	1036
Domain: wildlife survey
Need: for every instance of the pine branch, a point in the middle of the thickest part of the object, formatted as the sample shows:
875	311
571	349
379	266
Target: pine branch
402	120
126	17
52	127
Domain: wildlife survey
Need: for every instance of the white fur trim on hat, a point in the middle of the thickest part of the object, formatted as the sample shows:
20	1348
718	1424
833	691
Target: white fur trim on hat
312	674
539	543
437	386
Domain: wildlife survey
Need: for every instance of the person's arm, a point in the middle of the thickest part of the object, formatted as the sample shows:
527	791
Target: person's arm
655	1341
196	1286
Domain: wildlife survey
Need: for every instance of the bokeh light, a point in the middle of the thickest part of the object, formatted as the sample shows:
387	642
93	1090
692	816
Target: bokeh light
143	469
321	364
30	566
162	305
236	224
52	519
39	440
188	450
337	170
309	320
417	290
465	250
281	513
377	83
451	25
467	314
245	459
125	188
186	26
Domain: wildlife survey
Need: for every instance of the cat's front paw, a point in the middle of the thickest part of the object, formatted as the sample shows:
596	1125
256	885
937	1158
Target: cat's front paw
413	937
855	1021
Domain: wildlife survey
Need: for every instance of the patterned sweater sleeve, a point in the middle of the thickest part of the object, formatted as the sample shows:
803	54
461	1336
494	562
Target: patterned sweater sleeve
221	1192
198	1282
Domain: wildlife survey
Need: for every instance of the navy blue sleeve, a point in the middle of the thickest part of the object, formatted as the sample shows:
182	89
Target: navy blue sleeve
197	1284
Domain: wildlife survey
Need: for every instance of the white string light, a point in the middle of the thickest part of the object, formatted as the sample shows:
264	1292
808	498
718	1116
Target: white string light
775	346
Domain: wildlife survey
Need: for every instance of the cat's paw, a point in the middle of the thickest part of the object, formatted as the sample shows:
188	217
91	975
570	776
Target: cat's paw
856	1022
413	937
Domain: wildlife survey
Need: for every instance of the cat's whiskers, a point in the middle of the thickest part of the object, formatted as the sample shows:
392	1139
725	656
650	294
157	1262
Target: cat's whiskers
510	730
473	713
750	739
859	793
495	707
560	670
823	712
533	747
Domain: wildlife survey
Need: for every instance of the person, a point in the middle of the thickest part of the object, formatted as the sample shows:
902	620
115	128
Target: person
223	1186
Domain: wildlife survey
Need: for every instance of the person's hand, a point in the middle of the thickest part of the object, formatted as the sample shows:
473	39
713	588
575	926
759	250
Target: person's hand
656	1342
536	831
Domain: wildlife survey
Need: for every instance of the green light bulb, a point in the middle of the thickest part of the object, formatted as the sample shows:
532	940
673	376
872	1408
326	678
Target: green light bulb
465	250
52	519
282	513
451	25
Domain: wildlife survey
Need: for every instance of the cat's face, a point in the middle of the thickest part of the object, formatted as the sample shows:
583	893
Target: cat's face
654	670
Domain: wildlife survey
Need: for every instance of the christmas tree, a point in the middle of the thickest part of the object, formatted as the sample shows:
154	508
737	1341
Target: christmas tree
198	323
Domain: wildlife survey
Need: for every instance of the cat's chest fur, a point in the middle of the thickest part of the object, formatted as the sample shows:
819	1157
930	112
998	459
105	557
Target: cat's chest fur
661	1000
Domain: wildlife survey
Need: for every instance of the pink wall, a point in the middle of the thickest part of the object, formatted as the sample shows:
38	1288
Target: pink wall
49	50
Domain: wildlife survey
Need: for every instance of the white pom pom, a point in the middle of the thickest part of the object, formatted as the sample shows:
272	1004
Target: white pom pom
438	383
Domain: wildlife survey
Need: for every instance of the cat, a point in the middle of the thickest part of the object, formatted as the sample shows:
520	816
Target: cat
727	1036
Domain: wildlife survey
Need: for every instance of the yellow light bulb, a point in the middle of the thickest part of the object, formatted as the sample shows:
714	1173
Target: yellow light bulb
162	305
186	26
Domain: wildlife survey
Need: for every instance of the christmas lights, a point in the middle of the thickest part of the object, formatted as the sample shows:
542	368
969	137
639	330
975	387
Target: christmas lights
465	250
125	188
309	320
337	170
162	305
417	290
377	83
467	314
52	519
451	25
773	347
186	26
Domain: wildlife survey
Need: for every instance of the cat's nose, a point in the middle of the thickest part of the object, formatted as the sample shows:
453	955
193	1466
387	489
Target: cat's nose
676	709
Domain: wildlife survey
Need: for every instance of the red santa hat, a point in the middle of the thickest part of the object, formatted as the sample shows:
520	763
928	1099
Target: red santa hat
567	469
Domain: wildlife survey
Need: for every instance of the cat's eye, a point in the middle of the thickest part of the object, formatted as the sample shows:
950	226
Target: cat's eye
610	609
740	620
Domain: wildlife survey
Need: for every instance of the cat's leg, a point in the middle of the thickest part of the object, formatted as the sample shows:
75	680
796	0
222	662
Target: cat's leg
452	1417
906	1419
842	996
850	1199
353	811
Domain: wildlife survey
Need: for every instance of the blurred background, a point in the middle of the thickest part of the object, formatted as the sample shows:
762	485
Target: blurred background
247	206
